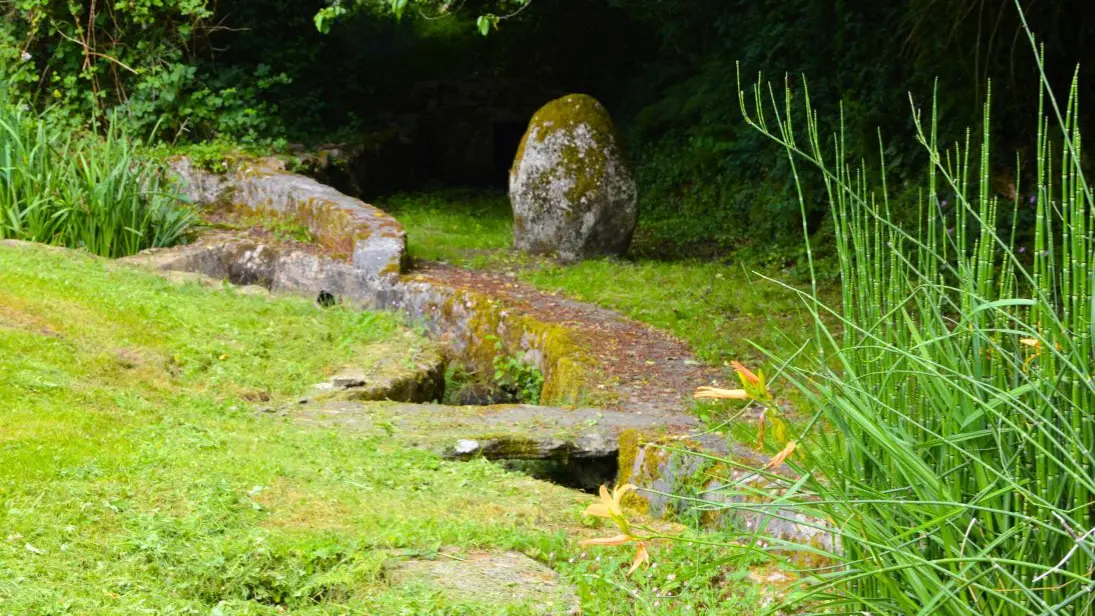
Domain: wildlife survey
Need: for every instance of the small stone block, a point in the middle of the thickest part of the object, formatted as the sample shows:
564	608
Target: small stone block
347	379
465	446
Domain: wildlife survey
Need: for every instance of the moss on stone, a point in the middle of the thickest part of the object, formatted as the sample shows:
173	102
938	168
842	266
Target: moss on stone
446	308
509	446
585	166
630	442
569	370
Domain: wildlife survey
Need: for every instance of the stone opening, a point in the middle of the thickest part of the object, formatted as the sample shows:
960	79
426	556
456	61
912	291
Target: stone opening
587	474
470	385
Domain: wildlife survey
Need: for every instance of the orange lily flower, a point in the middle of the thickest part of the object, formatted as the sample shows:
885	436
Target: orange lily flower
641	557
779	458
617	540
610	506
753	387
745	373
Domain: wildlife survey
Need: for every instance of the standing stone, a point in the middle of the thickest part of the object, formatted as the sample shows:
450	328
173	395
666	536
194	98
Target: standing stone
571	187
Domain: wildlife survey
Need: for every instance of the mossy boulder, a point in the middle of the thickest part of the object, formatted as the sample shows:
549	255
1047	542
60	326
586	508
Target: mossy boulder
571	186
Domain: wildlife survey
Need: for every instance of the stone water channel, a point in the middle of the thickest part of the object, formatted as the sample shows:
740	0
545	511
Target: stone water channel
365	264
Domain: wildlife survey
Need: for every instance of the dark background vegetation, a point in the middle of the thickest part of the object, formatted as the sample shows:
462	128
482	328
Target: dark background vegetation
425	101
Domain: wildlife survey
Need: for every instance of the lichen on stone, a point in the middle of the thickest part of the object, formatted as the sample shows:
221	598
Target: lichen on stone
587	118
571	185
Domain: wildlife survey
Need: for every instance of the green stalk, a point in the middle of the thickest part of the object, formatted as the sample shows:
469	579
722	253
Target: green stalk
959	389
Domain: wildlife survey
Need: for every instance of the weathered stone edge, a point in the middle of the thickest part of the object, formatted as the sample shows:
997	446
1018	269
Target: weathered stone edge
377	242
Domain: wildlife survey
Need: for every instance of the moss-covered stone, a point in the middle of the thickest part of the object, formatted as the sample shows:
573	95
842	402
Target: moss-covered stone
339	226
486	329
571	186
718	490
567	114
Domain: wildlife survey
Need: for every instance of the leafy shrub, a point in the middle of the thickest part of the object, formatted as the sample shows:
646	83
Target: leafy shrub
952	454
82	190
518	379
148	60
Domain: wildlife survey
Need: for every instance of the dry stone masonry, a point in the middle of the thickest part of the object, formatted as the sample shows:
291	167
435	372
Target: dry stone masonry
571	187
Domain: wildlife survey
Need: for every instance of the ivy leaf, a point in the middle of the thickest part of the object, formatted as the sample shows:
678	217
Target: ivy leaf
484	23
326	16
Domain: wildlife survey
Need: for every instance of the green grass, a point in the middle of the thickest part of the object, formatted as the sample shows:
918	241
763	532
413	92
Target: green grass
90	191
136	476
721	309
464	227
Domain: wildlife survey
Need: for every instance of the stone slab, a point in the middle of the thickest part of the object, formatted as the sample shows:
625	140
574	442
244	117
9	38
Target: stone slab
508	581
508	431
376	241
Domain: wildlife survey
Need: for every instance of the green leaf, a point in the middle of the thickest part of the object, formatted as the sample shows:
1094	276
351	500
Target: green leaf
398	6
326	16
484	23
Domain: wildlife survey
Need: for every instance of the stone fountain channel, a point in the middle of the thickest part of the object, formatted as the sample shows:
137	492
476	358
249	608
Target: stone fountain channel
365	264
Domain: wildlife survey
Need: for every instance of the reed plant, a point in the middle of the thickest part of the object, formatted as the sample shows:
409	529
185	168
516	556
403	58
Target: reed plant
950	453
82	190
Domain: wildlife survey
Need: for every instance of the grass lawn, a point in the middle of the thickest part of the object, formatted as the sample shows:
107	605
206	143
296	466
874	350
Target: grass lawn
721	309
137	478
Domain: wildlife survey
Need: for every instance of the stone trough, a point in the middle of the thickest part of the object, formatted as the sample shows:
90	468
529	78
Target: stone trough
365	263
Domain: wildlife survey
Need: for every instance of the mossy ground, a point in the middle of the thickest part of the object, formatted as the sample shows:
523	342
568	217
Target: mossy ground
137	478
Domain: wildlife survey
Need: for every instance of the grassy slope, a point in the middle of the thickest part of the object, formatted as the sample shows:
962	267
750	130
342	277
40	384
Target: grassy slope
136	479
721	310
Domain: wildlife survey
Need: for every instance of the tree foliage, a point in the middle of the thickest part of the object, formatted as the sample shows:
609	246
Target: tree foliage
145	58
383	74
863	60
489	13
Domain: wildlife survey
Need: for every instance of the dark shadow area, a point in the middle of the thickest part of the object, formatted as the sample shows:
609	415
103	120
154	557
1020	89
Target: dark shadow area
419	102
507	138
585	474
